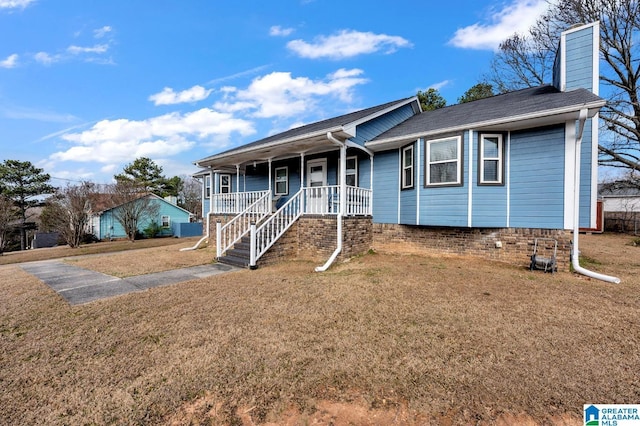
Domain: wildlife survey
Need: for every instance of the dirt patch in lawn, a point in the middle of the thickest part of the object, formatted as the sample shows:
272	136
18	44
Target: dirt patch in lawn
385	338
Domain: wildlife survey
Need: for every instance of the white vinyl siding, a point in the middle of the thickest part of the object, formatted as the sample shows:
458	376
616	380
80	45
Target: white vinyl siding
444	161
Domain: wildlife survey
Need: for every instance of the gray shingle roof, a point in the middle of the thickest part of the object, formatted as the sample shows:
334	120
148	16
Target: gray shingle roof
512	104
317	127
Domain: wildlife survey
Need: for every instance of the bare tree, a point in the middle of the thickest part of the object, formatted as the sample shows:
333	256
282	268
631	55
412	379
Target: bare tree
190	196
68	212
523	59
8	216
133	206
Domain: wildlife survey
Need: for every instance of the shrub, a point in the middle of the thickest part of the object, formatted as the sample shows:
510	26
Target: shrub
152	231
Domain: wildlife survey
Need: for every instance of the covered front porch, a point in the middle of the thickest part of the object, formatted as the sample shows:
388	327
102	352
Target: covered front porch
262	198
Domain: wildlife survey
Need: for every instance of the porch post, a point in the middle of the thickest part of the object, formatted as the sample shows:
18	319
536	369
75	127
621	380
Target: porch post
270	175
237	196
301	170
215	189
343	179
212	184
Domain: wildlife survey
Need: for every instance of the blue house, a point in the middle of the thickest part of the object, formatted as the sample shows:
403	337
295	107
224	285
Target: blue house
173	220
484	177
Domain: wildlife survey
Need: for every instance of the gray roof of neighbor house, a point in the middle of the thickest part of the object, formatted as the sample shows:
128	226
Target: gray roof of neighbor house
313	132
621	188
521	109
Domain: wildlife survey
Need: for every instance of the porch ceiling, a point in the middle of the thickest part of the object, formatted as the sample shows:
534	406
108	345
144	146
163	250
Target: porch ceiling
282	149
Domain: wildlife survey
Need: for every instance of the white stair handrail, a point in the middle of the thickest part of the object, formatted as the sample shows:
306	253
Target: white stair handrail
239	226
264	236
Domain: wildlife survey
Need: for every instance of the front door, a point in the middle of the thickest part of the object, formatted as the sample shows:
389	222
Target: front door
317	202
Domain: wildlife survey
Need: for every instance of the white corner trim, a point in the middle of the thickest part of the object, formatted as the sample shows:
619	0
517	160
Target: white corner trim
594	170
508	177
469	180
417	179
569	173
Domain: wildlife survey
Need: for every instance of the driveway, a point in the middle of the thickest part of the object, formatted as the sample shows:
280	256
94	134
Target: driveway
78	285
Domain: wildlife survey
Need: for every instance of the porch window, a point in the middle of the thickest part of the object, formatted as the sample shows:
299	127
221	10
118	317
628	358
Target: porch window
491	158
352	171
225	184
282	181
407	167
207	186
444	161
166	221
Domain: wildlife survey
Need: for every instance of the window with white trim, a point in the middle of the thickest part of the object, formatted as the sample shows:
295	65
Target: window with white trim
491	149
225	184
407	167
165	220
352	171
444	161
207	186
281	181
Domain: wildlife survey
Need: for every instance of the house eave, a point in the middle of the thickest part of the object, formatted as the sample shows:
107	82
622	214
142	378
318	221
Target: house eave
524	121
309	142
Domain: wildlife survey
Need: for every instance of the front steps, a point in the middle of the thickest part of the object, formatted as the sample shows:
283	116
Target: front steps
239	255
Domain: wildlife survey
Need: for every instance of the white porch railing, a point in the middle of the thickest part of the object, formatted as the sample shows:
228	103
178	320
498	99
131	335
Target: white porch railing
326	200
234	202
317	200
264	236
236	228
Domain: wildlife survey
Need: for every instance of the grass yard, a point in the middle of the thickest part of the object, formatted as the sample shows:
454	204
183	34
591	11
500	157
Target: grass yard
404	338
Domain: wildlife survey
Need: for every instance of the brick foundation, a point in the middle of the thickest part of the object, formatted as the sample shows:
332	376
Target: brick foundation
314	238
517	243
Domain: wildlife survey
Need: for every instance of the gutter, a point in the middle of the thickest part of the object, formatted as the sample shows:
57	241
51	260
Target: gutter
575	252
380	144
343	189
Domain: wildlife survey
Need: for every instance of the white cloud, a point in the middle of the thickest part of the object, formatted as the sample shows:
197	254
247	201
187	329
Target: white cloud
98	48
15	4
346	44
45	58
278	31
115	141
517	17
169	97
10	62
101	32
278	94
439	85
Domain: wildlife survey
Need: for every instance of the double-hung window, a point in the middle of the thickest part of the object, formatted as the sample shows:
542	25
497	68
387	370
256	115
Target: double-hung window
444	161
207	186
407	167
282	181
166	221
352	171
225	184
491	153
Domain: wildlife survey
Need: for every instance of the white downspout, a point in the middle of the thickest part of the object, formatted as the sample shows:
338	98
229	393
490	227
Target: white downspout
209	213
343	200
575	252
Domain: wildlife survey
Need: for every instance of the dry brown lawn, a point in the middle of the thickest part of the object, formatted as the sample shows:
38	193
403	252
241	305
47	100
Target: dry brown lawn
404	338
87	249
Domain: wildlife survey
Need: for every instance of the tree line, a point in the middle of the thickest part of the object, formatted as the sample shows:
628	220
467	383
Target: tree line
29	201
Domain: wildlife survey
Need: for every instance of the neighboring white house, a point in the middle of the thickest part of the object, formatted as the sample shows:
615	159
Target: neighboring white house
621	206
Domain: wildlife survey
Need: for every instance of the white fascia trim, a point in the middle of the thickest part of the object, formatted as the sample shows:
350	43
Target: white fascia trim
272	144
569	173
351	127
479	125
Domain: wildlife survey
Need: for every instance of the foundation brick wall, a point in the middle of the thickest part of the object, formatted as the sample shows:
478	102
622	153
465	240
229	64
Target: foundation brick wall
517	243
314	238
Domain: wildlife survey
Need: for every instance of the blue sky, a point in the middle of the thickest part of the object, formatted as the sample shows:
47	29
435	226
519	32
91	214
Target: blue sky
88	86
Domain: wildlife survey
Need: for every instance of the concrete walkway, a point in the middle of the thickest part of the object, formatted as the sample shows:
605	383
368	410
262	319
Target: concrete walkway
78	285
